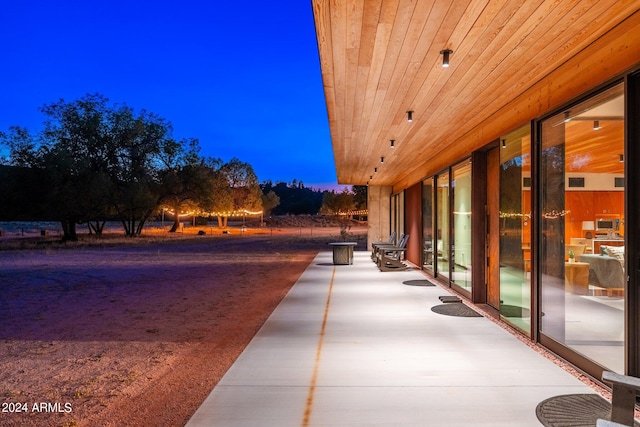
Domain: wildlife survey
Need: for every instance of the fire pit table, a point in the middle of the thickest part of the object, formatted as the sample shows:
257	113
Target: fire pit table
343	252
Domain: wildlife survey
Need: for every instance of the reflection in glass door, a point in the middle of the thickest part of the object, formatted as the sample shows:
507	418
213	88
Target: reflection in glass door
443	253
515	228
461	249
427	225
582	264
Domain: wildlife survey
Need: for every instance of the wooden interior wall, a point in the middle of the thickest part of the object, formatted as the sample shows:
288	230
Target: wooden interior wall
590	205
413	223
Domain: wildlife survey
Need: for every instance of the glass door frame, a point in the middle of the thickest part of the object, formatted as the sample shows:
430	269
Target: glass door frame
632	204
632	305
445	277
466	291
429	251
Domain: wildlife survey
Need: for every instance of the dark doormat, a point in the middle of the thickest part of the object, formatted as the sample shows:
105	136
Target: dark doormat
449	298
458	310
514	311
573	410
418	283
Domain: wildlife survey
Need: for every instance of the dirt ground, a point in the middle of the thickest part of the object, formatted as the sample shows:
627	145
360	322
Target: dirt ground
136	334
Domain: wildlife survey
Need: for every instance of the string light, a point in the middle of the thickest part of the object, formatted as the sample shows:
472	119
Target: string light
513	215
360	212
235	213
554	214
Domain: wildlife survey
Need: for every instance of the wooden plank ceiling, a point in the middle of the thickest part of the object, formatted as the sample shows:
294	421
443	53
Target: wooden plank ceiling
381	58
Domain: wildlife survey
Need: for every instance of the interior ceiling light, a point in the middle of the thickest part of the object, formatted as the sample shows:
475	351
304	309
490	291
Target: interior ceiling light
381	159
445	57
621	158
375	170
409	116
567	116
393	143
504	143
596	125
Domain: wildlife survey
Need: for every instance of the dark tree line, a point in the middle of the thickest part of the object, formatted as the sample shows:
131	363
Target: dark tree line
296	199
95	162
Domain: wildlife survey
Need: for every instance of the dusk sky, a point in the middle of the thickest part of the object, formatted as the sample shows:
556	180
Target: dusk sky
242	77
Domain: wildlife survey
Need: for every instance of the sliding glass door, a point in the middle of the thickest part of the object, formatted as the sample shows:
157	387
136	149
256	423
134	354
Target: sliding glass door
582	246
461	220
514	228
447	225
443	250
427	225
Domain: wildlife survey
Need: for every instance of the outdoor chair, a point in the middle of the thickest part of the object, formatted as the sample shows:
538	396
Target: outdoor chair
389	258
390	242
623	398
382	247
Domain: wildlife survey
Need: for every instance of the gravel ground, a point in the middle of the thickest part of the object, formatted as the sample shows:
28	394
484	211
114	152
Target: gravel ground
138	334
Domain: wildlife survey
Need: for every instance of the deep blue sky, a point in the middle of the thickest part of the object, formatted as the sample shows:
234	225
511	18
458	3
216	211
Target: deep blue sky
242	77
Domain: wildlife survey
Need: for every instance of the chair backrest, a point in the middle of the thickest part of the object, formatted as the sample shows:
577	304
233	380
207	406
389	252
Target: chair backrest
392	237
403	241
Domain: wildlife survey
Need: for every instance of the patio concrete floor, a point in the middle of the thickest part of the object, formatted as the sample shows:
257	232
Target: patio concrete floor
352	346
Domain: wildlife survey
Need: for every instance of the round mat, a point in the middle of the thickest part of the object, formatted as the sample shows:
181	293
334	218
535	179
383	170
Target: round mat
573	410
455	309
417	283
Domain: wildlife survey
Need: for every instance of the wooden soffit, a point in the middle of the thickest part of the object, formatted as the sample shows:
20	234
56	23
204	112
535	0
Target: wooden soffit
381	58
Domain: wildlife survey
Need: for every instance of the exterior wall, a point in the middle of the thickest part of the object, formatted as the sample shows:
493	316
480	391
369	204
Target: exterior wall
413	223
379	220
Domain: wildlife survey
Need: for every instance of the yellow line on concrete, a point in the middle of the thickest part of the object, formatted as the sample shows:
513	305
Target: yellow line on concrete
314	378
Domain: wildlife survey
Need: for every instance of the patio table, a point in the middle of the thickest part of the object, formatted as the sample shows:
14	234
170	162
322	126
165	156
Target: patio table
342	252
